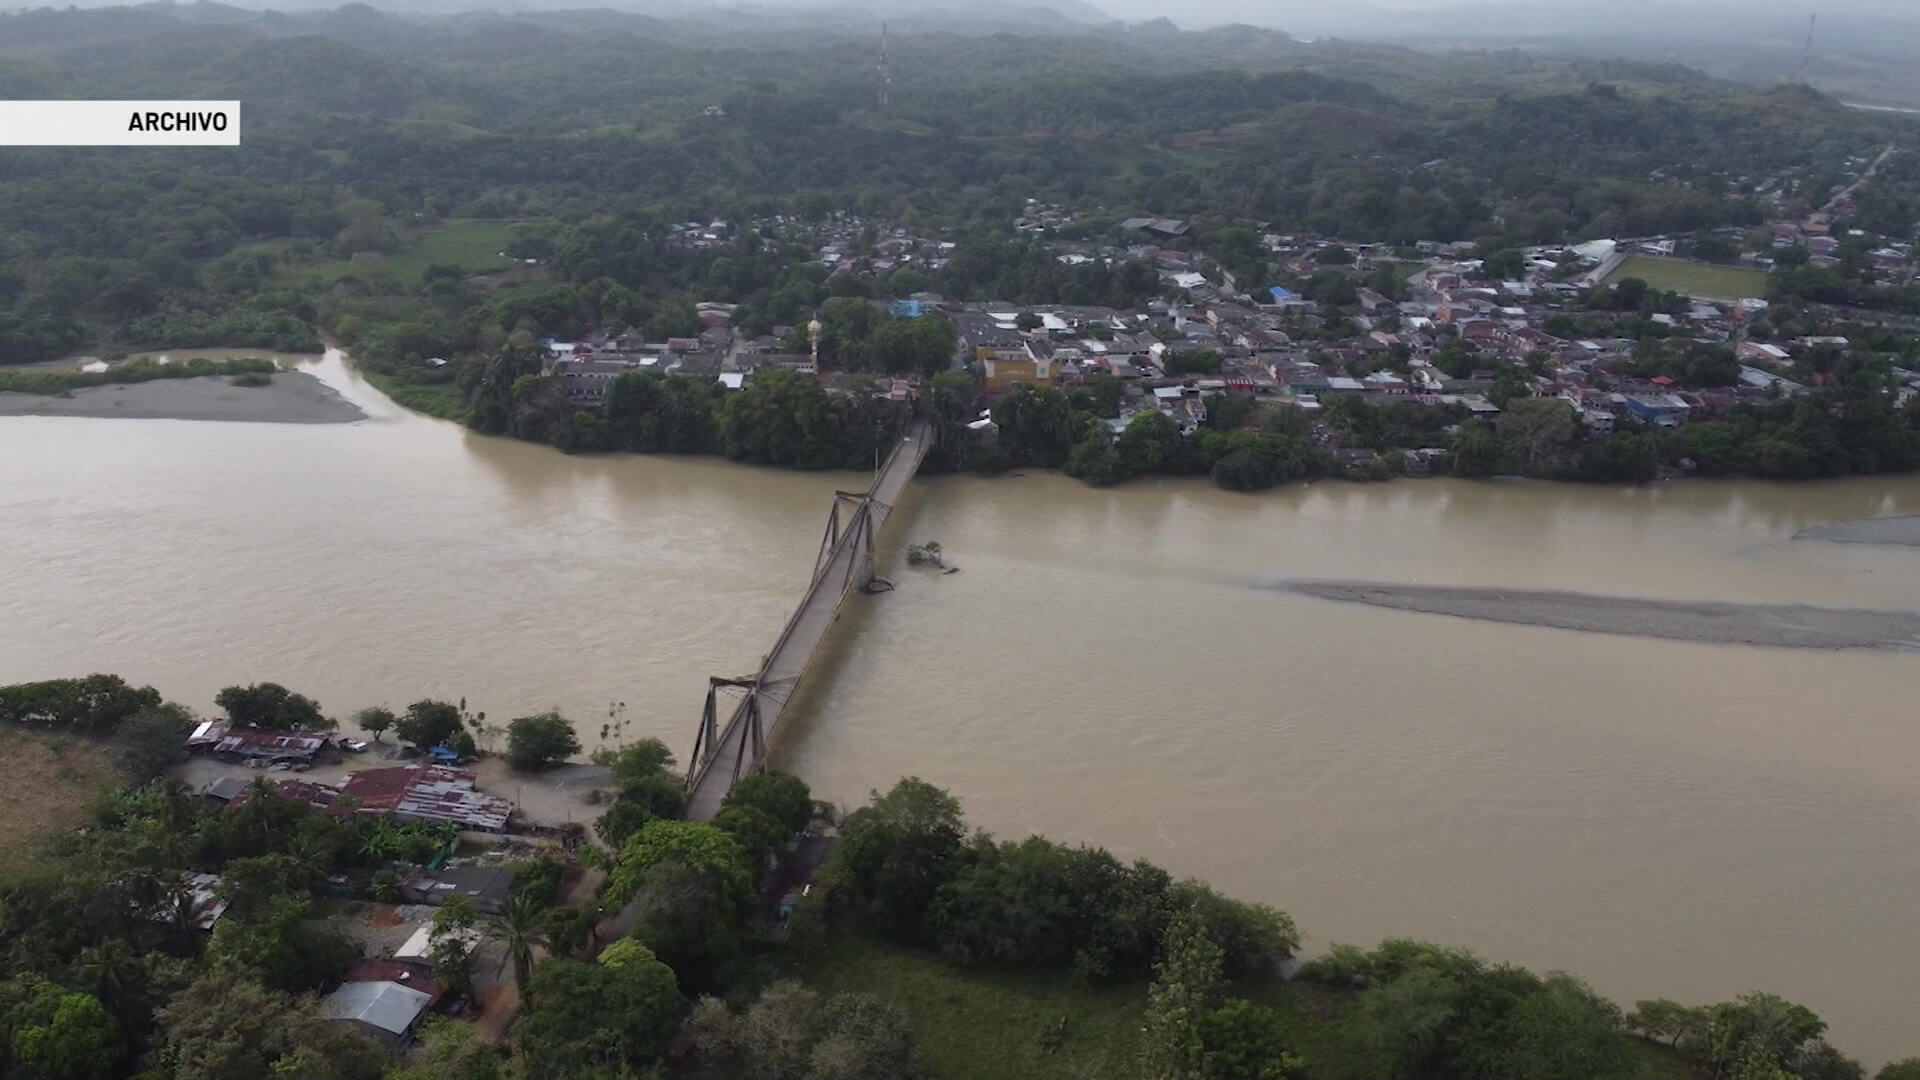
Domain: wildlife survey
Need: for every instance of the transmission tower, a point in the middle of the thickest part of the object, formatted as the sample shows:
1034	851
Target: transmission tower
886	76
1806	54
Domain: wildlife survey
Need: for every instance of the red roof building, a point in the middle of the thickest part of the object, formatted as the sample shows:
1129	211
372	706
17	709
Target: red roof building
427	793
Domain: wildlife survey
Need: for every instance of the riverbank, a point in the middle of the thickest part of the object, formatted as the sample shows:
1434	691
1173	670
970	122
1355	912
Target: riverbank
292	397
1787	626
983	1024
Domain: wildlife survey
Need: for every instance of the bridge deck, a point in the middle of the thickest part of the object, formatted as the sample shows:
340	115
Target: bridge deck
846	566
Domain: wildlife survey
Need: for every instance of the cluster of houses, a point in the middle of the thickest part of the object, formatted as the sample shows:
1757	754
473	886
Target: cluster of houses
588	368
1289	350
387	996
1279	345
431	793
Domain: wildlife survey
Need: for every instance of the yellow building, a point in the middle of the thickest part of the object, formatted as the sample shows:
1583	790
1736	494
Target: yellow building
1005	366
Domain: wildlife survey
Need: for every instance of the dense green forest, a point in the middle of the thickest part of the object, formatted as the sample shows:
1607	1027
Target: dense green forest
363	129
108	971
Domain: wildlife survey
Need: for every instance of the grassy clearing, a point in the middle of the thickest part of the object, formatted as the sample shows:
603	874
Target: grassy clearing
50	780
989	1025
439	400
1694	279
473	246
981	1025
1404	269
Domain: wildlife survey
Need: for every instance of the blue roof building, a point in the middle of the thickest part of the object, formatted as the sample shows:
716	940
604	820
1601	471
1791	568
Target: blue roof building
1281	296
905	309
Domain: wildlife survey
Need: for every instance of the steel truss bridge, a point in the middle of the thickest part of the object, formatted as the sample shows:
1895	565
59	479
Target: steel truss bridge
723	754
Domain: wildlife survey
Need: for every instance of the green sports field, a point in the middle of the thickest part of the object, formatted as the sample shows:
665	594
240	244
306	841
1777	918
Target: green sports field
1701	280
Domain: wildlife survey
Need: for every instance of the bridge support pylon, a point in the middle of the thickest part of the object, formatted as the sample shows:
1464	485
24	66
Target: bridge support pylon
706	743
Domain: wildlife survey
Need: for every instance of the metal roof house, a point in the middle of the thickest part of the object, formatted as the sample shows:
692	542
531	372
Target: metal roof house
486	887
388	1000
427	793
242	743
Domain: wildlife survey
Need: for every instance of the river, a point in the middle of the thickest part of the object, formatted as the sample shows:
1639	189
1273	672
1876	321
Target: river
1663	817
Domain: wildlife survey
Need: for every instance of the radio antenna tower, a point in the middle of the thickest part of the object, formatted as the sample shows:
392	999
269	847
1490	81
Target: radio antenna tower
886	76
1806	54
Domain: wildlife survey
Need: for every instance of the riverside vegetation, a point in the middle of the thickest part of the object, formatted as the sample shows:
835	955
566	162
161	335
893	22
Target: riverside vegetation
924	950
244	371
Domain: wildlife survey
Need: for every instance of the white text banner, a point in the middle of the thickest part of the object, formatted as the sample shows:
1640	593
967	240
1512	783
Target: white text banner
119	123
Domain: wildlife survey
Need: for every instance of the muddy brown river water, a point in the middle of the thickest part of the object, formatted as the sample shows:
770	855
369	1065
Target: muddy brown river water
1665	817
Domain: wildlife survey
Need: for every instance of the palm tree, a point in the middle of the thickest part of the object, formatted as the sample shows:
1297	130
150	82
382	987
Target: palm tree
114	974
256	813
310	857
520	925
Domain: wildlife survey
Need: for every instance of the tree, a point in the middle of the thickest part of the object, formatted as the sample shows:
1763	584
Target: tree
1148	443
270	705
1036	425
759	835
1244	1041
229	1027
1508	385
1669	1022
280	946
451	943
1191	361
128	985
1093	459
863	1038
1027	320
1714	247
635	804
1254	939
374	720
1186	986
896	852
1904	1069
1627	294
428	723
153	740
540	742
784	798
636	761
50	1033
1820	1060
1400	1025
1538	429
449	1050
520	926
617	1013
645	789
1039	903
1763	1027
770	1039
698	846
1504	265
95	705
1565	1032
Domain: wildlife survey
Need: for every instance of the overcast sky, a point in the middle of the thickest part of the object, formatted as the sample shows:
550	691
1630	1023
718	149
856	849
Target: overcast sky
1279	13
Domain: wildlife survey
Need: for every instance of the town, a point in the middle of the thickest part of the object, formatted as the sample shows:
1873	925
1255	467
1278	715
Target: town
1624	332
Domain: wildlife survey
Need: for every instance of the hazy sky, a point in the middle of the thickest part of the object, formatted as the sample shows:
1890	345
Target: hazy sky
1196	13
